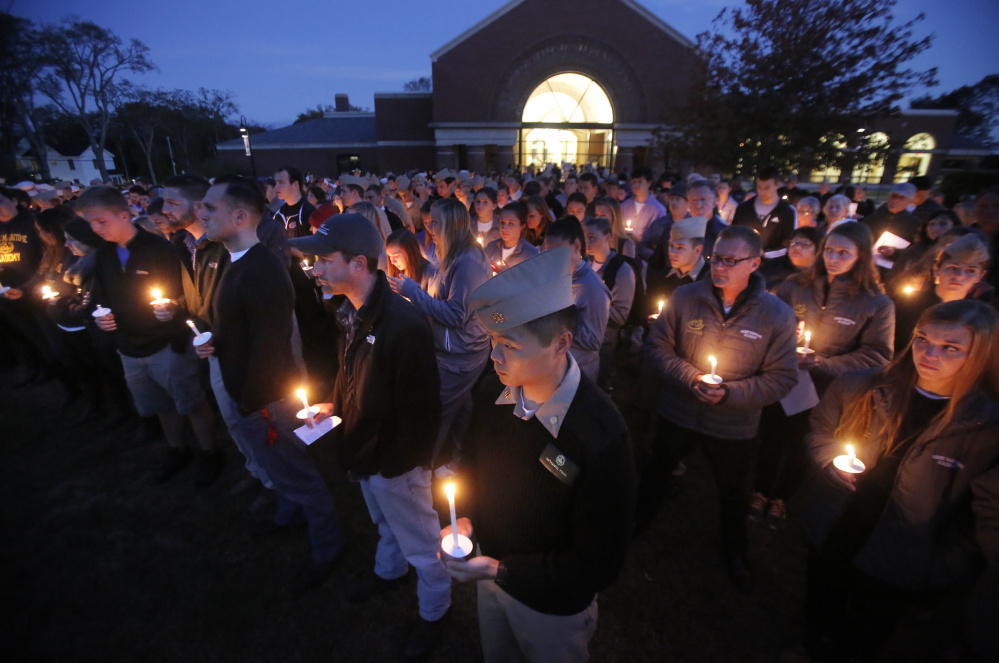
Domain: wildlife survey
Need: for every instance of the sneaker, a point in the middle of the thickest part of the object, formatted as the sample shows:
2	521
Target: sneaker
362	588
757	505
423	639
209	467
777	515
172	463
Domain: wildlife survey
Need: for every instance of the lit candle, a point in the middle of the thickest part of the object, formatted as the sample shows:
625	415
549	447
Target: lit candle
662	303
908	290
158	299
190	323
305	401
714	367
480	240
849	463
808	339
449	489
100	311
628	225
305	265
47	292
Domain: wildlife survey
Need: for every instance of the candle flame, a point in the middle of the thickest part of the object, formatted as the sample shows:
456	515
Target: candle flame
712	360
908	290
479	240
301	394
46	291
449	489
157	294
808	335
662	303
849	450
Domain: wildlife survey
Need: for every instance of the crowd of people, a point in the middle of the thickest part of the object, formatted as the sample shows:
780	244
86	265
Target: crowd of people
452	329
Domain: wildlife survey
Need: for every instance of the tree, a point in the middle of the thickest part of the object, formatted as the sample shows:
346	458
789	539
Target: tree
421	84
83	64
977	106
790	82
319	112
19	68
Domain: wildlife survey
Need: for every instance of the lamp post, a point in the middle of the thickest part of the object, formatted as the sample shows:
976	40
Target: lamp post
245	133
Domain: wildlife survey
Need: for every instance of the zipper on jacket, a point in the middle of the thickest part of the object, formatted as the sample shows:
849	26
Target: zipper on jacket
447	340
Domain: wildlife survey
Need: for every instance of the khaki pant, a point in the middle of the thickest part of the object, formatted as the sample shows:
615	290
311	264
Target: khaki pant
513	633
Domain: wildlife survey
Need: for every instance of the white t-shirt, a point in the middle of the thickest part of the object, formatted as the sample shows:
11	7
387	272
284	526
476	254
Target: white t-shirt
507	252
236	256
484	227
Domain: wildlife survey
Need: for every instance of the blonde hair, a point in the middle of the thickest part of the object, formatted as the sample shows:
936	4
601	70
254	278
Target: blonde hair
614	215
370	212
899	378
452	232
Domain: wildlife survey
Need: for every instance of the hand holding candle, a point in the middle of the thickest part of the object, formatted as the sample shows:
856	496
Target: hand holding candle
454	546
47	293
158	299
849	463
806	350
713	378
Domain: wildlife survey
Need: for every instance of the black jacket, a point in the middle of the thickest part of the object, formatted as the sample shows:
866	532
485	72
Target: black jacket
20	249
127	291
387	390
775	229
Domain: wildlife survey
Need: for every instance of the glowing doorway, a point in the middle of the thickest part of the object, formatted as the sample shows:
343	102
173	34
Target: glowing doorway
568	118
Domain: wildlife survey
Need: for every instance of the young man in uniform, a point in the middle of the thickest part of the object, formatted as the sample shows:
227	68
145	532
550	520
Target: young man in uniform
752	334
766	213
252	326
686	260
550	475
160	367
387	394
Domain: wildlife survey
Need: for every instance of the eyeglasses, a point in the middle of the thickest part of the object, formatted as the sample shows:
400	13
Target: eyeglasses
728	261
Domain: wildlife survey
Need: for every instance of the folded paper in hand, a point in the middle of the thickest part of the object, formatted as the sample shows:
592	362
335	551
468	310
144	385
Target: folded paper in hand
892	240
310	435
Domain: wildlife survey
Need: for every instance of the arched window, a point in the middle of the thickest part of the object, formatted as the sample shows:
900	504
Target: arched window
871	173
567	118
916	158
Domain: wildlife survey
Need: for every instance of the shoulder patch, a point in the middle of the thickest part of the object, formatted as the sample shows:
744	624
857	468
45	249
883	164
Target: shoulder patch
845	321
696	325
800	310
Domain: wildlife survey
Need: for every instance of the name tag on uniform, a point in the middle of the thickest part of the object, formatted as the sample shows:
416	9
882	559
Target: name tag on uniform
563	469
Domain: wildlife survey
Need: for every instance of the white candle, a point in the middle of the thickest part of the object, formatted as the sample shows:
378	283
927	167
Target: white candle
190	323
305	401
449	489
808	338
629	224
158	298
305	265
662	303
714	367
849	463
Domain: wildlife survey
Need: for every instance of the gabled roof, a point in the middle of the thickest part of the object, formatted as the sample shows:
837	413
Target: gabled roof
341	129
638	8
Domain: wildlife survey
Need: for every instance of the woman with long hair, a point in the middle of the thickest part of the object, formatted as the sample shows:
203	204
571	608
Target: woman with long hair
916	258
539	219
485	218
461	342
958	272
920	520
609	208
405	258
511	247
850	324
802	251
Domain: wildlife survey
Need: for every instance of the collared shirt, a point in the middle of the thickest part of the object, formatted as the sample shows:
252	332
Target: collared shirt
552	412
698	266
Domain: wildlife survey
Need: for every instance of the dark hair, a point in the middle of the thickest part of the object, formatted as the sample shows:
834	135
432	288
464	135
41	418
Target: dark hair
768	173
589	177
811	233
536	236
107	197
243	193
642	172
410	245
139	190
519	209
294	174
570	230
864	274
922	182
532	188
548	327
576	198
487	191
599	223
377	188
155	206
571	176
356	188
318	192
744	234
372	261
192	187
81	231
53	221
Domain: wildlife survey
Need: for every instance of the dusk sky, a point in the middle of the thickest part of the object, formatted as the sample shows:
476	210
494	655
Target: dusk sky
281	58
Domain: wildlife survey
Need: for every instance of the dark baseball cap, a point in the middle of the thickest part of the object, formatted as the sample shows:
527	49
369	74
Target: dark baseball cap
350	232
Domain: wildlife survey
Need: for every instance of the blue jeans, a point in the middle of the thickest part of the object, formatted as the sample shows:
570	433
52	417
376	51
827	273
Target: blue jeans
230	414
300	489
410	533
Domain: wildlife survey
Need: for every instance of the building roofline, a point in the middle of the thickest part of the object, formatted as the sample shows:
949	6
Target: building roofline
637	7
407	94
